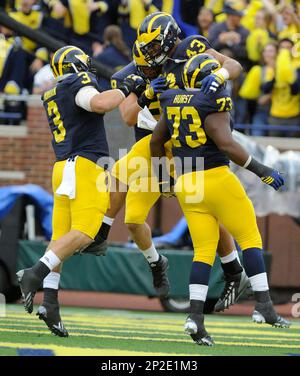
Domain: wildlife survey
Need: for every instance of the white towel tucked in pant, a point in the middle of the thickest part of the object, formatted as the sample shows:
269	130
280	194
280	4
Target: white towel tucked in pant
146	120
68	184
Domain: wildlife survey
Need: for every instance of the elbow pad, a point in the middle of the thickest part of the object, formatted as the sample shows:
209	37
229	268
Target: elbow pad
84	96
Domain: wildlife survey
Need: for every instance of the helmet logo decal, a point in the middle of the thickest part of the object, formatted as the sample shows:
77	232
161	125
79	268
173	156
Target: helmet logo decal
156	36
198	67
83	58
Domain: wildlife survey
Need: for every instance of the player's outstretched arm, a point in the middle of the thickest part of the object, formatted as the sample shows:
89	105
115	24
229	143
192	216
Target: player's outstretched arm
106	101
129	110
132	105
233	67
217	127
91	100
230	69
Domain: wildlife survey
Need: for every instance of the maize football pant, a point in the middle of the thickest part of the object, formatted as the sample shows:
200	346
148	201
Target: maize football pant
215	196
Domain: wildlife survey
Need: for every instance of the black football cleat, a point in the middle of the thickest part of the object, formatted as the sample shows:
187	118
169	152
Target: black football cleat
29	284
264	313
97	248
194	326
160	278
50	315
235	286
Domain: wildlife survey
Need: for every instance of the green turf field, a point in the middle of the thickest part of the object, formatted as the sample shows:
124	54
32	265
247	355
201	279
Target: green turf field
115	332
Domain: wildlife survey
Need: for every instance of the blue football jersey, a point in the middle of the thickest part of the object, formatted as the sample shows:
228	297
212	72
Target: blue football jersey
154	106
185	112
187	48
75	131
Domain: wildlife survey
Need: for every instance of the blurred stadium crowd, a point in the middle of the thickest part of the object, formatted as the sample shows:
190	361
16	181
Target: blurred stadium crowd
263	35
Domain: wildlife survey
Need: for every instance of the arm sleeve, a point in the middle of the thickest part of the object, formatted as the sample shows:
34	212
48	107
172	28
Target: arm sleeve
84	96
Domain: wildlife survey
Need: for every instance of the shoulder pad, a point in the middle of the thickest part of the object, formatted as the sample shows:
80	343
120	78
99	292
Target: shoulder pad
219	102
82	79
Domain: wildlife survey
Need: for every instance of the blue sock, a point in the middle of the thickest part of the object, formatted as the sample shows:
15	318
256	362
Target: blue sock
198	287
253	261
199	273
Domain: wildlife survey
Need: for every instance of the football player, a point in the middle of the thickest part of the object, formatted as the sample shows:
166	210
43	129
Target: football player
158	41
75	109
199	126
138	204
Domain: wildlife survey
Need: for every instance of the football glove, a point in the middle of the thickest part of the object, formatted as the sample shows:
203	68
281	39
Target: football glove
274	179
140	84
130	84
211	83
158	85
266	174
